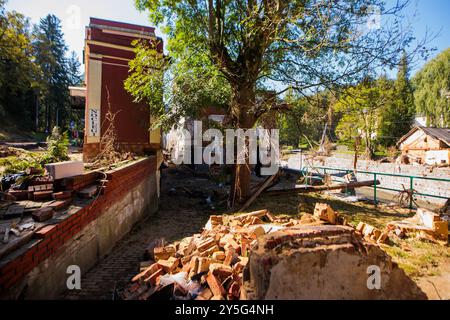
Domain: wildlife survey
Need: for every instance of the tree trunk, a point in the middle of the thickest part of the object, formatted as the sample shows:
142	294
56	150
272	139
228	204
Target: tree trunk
242	102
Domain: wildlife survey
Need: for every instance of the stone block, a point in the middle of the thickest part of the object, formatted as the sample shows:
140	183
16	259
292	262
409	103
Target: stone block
60	170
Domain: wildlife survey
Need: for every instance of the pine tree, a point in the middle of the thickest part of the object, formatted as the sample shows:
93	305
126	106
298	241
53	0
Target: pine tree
398	111
75	78
50	51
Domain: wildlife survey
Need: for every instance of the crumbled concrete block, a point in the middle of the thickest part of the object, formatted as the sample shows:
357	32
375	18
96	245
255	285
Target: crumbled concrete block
64	169
426	217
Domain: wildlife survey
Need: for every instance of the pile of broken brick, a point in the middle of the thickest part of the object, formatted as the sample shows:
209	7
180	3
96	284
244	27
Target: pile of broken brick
36	198
209	266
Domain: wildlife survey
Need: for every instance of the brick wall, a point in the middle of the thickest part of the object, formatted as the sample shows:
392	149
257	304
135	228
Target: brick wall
83	235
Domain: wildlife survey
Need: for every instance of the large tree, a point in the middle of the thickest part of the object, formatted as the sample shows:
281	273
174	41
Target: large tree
18	73
275	44
398	111
432	90
50	51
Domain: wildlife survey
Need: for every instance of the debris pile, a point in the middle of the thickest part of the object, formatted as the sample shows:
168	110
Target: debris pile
31	199
204	266
210	265
425	224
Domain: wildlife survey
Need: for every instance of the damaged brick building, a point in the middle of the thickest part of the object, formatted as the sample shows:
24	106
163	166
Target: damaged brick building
108	50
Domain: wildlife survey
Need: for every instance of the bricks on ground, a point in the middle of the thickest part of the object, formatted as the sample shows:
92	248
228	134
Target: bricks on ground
215	258
49	237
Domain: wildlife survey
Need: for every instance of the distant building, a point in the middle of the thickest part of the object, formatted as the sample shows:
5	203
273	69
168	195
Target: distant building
420	121
426	145
108	50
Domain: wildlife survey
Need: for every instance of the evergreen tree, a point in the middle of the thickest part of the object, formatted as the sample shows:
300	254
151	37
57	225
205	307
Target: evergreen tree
75	77
50	51
397	114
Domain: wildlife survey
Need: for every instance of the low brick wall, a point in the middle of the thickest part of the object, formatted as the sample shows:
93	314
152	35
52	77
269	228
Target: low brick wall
91	150
38	270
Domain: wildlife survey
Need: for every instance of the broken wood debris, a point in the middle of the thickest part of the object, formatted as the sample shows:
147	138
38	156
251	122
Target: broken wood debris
371	233
426	223
266	184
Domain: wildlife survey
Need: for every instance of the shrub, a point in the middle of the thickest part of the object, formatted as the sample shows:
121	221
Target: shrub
57	146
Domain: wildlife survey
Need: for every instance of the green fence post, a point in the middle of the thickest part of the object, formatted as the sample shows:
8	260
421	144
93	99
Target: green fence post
375	188
346	189
411	189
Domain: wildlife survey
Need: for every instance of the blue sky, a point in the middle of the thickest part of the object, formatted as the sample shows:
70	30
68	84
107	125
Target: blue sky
432	15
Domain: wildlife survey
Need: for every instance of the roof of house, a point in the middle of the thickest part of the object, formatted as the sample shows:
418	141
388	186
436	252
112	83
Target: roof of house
441	134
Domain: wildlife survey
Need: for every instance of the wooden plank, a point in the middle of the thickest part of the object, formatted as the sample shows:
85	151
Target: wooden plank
255	195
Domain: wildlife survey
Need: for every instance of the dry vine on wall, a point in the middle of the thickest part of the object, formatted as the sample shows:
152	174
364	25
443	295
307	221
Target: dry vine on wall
109	153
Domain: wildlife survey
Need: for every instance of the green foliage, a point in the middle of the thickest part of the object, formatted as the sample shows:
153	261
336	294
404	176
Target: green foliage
252	45
183	89
73	70
50	51
398	111
379	111
303	123
432	90
20	164
359	107
34	70
57	150
18	73
57	146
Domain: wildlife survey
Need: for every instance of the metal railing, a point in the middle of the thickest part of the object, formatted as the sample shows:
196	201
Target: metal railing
375	187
